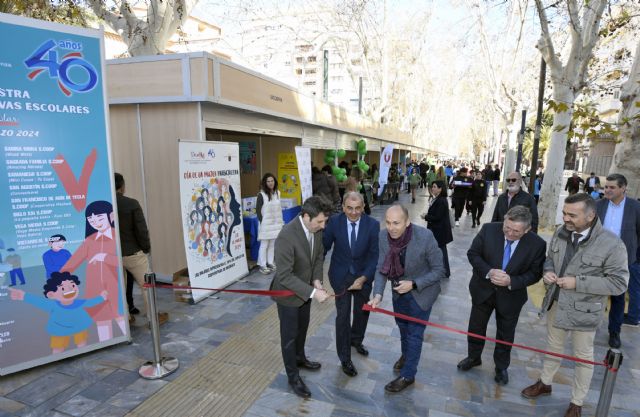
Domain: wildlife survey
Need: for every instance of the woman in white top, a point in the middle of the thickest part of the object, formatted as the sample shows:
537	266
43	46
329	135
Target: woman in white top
269	213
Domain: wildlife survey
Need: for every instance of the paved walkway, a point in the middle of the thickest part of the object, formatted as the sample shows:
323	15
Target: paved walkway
230	364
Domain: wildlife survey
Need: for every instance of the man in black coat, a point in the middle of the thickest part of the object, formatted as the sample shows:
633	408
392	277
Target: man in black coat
461	185
591	182
506	258
515	196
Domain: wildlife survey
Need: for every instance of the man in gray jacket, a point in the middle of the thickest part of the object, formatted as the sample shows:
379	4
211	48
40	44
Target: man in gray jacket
585	264
412	261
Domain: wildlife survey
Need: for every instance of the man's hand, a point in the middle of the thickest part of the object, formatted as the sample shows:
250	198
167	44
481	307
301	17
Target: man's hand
403	287
567	283
375	301
16	294
99	257
549	277
500	278
358	283
320	295
317	284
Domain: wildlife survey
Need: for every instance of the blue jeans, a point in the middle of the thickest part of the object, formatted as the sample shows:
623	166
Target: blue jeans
616	314
16	273
411	334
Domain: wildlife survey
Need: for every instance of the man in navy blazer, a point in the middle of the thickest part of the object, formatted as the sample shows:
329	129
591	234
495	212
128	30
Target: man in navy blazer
506	258
621	215
354	237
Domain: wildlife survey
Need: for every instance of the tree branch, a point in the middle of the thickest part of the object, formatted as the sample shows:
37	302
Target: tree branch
545	44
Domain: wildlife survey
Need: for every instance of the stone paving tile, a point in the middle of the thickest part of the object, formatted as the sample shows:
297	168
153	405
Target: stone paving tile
9	406
42	389
78	406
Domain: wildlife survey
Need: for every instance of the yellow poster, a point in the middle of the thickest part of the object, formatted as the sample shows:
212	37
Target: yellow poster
288	181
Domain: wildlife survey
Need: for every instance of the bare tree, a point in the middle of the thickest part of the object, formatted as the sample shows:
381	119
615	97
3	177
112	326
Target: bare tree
568	80
146	35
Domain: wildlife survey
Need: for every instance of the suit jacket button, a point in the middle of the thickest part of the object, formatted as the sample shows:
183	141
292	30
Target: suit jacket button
588	311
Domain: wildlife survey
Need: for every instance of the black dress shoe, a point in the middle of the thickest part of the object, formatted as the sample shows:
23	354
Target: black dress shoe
361	349
614	340
134	311
349	369
307	364
300	388
398	384
399	364
502	377
468	363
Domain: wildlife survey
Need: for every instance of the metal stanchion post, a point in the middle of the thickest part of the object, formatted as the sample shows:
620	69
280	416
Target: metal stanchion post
159	367
614	360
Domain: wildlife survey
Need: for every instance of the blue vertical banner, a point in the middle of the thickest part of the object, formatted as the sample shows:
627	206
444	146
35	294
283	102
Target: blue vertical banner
61	291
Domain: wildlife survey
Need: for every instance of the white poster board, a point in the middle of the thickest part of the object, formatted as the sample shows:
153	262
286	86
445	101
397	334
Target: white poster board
385	164
303	156
211	214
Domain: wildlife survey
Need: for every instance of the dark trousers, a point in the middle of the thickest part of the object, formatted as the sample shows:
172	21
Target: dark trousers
350	332
505	330
445	258
616	315
458	206
411	334
130	282
294	322
477	208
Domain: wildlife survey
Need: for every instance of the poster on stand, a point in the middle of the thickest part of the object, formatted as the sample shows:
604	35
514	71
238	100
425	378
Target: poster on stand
303	157
61	291
211	214
385	164
288	177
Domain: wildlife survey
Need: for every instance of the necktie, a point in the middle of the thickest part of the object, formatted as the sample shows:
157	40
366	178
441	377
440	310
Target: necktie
310	237
507	254
352	241
576	239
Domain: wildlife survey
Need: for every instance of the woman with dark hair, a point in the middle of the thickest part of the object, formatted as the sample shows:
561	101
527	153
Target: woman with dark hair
99	252
234	210
208	244
439	221
269	211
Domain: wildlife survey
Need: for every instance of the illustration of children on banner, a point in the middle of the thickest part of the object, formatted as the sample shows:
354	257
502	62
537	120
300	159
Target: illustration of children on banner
214	213
98	250
67	314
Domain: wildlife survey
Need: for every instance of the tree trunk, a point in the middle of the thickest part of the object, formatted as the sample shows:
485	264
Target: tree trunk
626	157
554	168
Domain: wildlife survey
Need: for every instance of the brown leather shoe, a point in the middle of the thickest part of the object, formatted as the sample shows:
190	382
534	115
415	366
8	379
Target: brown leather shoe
573	411
536	390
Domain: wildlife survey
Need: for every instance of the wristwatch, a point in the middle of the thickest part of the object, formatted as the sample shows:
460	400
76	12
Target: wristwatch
414	285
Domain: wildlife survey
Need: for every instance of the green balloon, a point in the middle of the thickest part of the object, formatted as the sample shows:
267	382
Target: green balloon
328	159
331	153
359	187
336	171
343	171
343	178
366	168
341	153
362	145
362	151
361	164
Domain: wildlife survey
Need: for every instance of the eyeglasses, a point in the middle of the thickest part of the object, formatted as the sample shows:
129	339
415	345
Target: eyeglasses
512	180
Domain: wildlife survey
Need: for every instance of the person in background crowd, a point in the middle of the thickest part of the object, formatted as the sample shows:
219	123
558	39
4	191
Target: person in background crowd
354	238
496	179
537	184
441	175
487	173
592	182
461	185
576	293
515	196
299	254
269	212
596	194
414	182
449	172
135	243
477	197
320	184
573	184
423	174
333	187
411	260
439	221
506	258
621	216
431	177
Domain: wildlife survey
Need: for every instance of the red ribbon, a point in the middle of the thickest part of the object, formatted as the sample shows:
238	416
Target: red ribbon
268	293
367	307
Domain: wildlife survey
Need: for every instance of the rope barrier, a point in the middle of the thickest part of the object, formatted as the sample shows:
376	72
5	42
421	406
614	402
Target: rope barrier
266	293
367	307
